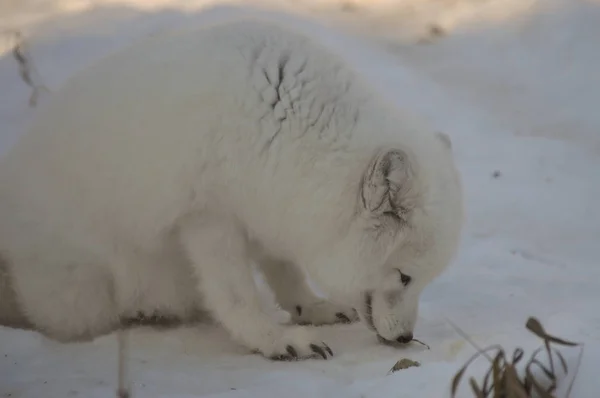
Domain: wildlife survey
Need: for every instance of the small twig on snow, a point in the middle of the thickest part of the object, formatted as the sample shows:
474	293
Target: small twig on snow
27	70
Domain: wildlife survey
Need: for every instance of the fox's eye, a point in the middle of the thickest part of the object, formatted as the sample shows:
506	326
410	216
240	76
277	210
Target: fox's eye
405	279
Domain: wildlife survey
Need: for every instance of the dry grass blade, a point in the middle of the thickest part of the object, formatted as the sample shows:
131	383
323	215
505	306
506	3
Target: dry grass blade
518	355
579	357
497	386
478	393
458	376
563	363
496	372
536	328
514	387
486	379
537	387
548	372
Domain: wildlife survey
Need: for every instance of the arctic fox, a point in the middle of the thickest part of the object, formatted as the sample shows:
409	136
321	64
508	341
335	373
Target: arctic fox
155	180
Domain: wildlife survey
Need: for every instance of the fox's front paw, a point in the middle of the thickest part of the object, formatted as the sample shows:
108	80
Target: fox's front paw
293	343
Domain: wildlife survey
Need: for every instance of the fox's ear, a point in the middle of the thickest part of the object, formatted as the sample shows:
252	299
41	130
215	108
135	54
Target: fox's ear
386	184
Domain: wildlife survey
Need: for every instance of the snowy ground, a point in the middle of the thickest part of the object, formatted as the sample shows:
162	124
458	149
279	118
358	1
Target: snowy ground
517	89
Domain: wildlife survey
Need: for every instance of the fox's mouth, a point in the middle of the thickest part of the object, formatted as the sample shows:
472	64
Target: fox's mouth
368	318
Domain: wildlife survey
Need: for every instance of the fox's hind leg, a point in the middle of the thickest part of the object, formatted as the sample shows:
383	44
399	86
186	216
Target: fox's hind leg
65	301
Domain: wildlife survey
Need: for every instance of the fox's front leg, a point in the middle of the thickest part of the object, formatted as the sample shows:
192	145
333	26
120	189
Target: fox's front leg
218	251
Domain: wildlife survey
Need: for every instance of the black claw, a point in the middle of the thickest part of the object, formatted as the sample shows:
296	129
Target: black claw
318	350
328	349
342	317
290	350
299	310
281	357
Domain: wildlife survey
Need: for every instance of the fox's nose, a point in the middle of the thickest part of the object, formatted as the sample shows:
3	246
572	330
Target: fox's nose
404	339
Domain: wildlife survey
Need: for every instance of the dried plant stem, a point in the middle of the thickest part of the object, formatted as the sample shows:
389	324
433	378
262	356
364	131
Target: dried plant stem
502	380
123	388
468	339
577	364
423	344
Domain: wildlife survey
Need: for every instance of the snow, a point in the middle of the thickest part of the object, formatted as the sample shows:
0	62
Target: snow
513	83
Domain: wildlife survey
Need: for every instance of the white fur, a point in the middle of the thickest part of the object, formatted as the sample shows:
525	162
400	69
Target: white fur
156	179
